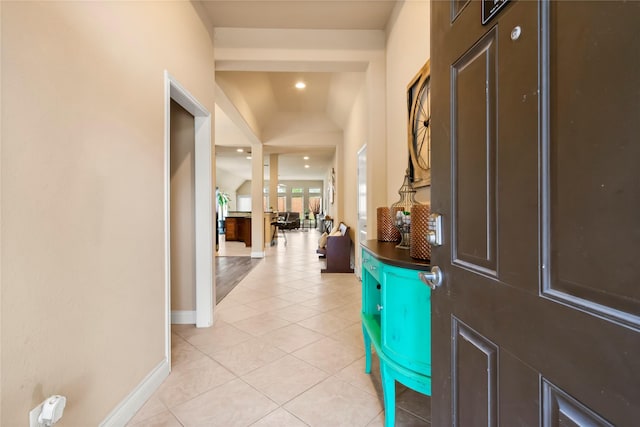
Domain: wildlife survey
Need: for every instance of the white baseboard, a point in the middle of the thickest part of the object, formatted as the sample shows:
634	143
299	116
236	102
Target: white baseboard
257	254
131	404
183	317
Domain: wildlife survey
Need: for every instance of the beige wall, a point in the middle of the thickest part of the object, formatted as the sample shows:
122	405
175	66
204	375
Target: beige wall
407	51
387	150
354	138
228	183
183	215
366	125
1	222
332	208
82	195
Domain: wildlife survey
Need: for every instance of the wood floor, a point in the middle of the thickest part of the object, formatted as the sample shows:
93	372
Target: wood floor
230	270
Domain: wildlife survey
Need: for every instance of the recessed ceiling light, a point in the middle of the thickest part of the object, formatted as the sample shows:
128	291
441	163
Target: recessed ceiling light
306	166
301	85
306	157
248	157
240	150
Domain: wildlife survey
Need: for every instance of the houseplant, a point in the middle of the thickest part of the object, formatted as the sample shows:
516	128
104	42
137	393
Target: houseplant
223	200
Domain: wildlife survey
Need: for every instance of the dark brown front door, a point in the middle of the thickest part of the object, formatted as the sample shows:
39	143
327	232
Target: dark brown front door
536	171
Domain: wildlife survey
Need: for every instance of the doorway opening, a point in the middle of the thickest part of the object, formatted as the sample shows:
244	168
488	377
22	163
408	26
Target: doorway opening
202	203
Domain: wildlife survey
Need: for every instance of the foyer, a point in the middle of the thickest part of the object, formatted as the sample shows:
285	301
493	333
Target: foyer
286	349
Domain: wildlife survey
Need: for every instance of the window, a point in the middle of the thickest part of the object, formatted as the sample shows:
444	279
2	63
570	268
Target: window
315	190
297	191
244	203
297	204
282	203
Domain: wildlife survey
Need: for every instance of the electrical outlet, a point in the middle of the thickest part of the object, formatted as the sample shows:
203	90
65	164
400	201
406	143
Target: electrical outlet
34	414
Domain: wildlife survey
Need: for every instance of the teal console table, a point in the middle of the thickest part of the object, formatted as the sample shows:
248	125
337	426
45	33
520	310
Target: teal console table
396	319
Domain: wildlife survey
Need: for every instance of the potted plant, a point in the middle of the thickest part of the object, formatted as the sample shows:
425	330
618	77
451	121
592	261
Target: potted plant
223	201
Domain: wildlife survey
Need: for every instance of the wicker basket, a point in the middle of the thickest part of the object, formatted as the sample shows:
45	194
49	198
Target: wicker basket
387	232
420	248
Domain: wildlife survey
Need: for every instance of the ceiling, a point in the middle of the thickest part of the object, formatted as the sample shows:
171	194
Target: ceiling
271	97
300	14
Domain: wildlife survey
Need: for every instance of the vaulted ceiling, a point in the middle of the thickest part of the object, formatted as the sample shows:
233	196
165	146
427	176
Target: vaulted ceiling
274	103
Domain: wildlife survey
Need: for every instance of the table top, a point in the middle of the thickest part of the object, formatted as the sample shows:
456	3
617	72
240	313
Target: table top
389	254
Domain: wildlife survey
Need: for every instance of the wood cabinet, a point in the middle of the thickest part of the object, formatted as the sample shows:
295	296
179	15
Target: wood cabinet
396	319
238	229
231	229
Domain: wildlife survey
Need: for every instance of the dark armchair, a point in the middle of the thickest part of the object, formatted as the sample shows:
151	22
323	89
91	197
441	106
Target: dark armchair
291	221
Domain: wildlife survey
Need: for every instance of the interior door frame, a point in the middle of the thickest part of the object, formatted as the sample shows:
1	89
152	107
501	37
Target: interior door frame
362	222
205	286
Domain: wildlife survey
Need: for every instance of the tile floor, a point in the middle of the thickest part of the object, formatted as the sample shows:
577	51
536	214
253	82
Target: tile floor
285	350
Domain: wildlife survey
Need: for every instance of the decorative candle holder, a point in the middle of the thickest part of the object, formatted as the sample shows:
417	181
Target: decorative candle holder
387	232
402	211
420	248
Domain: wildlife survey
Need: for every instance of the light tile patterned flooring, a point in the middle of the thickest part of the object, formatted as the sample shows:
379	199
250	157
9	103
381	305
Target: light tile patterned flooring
285	350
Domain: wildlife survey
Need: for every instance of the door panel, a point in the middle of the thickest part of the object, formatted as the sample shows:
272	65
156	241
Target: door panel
473	138
456	7
560	409
475	367
540	197
592	146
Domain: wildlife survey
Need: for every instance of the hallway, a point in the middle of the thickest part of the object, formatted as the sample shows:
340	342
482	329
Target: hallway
286	350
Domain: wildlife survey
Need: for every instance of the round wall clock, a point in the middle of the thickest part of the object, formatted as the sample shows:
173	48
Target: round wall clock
419	97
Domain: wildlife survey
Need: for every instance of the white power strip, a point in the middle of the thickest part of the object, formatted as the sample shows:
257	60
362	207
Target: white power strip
34	414
48	412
